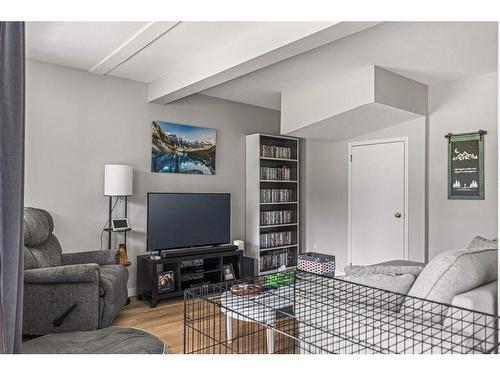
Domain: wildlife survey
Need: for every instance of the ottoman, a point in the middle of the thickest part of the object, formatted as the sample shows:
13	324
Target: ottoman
110	340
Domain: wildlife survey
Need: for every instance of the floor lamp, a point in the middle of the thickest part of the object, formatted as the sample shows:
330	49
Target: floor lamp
118	182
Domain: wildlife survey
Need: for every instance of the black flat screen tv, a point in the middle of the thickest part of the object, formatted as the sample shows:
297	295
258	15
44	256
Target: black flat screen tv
183	220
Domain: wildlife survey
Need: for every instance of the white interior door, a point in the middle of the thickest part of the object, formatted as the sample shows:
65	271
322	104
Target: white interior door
377	201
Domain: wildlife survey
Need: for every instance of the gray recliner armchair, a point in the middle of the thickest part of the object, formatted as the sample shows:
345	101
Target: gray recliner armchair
67	292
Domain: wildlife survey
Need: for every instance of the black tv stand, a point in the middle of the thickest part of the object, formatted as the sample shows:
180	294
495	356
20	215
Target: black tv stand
212	259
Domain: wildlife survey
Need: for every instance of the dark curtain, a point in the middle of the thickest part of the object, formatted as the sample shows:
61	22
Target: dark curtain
12	67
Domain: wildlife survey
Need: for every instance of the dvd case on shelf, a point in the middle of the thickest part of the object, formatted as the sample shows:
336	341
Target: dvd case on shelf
274	259
277	152
270	173
276	195
275	239
276	217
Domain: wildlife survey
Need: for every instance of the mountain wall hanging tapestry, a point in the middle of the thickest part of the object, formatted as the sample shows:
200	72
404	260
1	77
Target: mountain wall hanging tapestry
466	165
178	148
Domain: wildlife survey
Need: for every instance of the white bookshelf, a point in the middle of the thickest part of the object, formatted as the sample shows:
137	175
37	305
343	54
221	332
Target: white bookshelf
254	205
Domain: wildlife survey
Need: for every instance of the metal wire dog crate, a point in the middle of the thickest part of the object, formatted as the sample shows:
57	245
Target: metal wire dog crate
299	312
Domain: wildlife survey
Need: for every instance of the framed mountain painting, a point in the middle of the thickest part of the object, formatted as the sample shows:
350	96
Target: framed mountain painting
466	165
178	148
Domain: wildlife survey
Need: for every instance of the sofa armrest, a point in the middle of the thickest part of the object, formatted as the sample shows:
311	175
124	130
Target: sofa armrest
101	257
483	299
480	331
78	273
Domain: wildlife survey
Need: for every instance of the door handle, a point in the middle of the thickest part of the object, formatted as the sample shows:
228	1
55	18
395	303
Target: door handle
397	215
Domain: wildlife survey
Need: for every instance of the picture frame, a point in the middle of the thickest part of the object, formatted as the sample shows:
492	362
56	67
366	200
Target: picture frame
166	282
466	165
228	272
180	148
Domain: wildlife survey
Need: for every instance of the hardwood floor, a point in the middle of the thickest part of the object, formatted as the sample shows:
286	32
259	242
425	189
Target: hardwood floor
165	321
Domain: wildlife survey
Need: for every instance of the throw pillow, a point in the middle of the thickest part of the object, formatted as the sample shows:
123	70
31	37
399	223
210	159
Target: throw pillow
481	243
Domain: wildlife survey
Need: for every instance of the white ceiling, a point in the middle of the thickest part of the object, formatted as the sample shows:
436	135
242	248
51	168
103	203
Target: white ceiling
165	47
76	44
178	59
427	52
174	57
204	41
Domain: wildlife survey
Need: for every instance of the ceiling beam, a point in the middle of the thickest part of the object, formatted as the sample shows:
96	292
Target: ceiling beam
140	40
194	78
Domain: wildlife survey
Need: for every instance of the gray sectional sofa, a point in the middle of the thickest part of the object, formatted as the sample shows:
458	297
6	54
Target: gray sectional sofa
464	278
67	292
443	307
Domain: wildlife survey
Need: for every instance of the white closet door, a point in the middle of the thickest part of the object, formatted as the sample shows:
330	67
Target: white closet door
377	202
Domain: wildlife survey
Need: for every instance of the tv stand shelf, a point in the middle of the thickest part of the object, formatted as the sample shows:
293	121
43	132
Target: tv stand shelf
212	258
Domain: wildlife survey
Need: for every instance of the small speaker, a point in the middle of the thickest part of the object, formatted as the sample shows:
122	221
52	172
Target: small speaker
240	244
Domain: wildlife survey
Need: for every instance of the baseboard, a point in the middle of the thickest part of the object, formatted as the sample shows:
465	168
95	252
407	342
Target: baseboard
132	292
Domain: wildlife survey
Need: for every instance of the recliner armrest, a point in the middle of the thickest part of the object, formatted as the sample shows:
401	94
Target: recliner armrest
78	273
101	257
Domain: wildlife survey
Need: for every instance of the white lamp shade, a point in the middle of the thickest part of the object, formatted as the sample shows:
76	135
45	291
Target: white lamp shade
118	180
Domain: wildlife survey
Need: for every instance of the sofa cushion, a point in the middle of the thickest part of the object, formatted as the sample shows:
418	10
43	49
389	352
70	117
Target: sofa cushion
400	284
455	272
394	283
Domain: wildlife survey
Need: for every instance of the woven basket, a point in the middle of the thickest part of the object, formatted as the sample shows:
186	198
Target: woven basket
321	264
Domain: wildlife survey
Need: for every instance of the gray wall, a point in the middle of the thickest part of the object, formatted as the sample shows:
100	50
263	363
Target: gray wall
327	191
77	122
459	107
